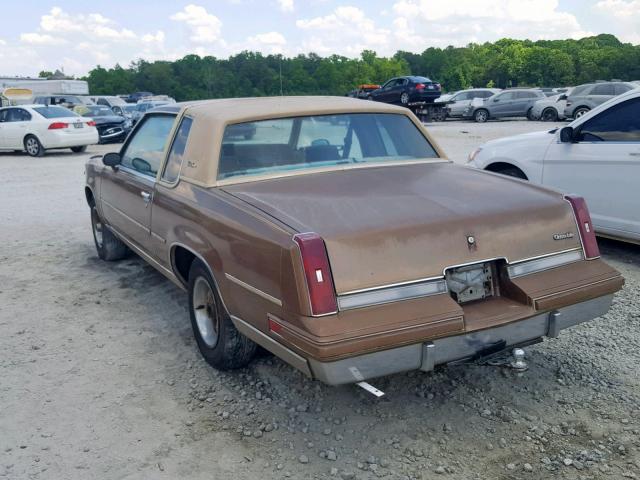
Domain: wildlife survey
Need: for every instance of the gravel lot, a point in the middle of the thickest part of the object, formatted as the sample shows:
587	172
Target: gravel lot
100	376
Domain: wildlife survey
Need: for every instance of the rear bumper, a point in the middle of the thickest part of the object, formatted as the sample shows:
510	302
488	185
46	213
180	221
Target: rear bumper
54	139
425	356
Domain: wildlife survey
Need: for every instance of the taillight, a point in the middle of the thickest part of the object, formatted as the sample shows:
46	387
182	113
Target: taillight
585	227
420	86
91	123
315	262
58	125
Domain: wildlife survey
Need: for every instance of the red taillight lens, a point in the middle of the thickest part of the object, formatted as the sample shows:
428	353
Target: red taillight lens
58	125
581	212
91	123
317	273
420	86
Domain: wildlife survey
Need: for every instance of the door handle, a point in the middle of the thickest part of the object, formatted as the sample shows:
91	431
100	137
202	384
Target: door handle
635	154
146	196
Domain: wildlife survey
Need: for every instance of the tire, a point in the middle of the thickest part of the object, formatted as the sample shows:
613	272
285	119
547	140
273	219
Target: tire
33	147
109	247
404	98
580	111
549	115
529	116
512	172
79	149
481	115
219	342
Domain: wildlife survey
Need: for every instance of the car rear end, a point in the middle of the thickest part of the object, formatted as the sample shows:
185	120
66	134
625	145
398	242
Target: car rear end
422	89
427	276
112	131
61	128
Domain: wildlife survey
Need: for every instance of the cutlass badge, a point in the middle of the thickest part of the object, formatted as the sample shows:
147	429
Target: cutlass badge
562	236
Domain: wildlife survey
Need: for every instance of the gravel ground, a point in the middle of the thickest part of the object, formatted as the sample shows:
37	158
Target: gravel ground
100	376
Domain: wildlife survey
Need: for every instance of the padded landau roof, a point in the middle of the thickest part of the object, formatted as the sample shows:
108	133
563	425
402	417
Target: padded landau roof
212	116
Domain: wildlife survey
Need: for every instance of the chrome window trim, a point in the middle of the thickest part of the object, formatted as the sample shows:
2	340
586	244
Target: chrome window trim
165	161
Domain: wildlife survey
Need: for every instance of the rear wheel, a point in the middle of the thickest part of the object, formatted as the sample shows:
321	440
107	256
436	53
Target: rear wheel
79	149
530	115
580	112
404	98
549	115
481	115
109	247
33	146
219	342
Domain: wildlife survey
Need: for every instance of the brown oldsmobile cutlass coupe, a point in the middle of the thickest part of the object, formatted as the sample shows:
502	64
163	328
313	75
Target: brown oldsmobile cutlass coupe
338	236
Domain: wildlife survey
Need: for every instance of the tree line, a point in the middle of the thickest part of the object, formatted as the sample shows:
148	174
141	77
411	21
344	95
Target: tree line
504	63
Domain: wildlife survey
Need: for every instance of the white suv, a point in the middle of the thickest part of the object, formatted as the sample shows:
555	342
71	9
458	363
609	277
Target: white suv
596	156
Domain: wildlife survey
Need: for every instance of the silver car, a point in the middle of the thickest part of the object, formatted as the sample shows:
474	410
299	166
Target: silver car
588	96
462	99
516	102
550	109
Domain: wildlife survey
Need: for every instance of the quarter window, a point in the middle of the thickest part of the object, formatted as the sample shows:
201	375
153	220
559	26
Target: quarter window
620	123
605	89
144	152
176	154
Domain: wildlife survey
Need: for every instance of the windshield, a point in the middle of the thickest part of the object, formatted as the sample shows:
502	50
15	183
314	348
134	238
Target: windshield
287	144
54	112
98	111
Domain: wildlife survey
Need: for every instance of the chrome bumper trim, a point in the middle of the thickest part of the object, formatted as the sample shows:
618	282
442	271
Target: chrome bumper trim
425	356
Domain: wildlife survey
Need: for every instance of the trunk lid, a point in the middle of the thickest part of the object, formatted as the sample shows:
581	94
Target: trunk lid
395	224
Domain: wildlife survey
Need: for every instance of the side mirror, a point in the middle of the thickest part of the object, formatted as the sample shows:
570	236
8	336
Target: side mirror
566	135
562	97
112	159
496	99
141	165
117	110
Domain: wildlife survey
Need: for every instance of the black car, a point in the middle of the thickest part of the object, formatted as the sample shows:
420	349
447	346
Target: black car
406	90
136	96
111	128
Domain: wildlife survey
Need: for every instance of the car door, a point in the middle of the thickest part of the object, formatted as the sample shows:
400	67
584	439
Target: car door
126	192
382	94
601	93
460	102
603	165
501	104
14	127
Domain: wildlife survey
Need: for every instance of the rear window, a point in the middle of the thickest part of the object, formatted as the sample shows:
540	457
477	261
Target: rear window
290	144
55	112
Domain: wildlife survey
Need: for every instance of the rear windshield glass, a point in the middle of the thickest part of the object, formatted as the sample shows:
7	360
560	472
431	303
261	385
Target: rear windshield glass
288	144
55	112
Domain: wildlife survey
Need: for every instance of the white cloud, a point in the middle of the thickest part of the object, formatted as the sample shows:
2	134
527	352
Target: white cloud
40	39
423	22
286	5
625	14
89	39
347	30
271	42
204	27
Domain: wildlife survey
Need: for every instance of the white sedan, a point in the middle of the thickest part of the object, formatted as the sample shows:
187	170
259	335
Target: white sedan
36	128
596	156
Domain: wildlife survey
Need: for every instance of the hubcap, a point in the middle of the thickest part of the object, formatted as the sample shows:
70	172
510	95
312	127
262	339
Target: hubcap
32	146
204	306
404	98
97	230
481	116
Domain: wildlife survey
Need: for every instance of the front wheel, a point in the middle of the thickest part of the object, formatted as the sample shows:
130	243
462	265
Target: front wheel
109	247
549	115
33	146
404	98
481	116
219	342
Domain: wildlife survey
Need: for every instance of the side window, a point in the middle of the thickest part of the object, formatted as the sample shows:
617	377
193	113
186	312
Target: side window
176	154
484	94
102	101
604	89
144	152
620	123
17	115
3	115
620	88
506	96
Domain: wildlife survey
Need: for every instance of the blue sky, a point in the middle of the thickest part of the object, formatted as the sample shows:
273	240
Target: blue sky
76	36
